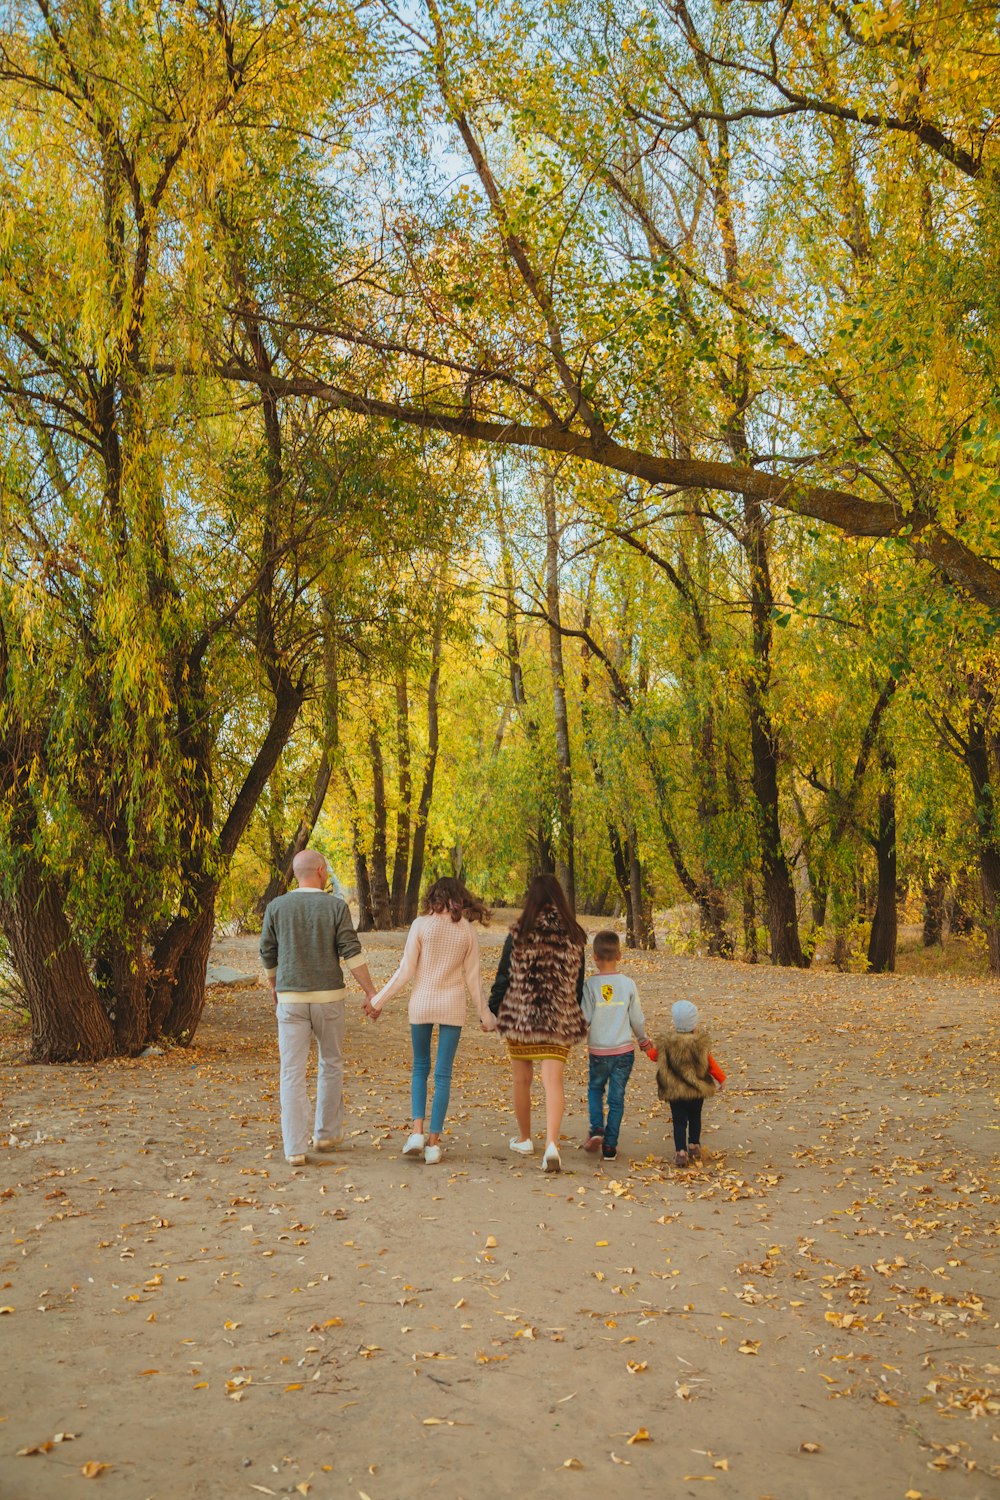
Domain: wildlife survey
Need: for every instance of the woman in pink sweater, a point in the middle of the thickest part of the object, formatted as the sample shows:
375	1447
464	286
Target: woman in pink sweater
441	958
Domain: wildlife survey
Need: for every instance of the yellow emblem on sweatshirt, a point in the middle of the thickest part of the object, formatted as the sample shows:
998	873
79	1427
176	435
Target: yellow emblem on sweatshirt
607	993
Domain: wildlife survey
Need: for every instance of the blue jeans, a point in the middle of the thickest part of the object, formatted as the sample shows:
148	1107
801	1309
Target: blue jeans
611	1073
420	1036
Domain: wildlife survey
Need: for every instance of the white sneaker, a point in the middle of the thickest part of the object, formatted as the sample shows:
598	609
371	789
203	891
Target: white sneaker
432	1155
526	1148
552	1161
327	1142
414	1145
296	1161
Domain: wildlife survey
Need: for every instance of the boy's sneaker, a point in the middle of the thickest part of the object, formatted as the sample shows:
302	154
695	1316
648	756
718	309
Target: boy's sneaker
681	1159
297	1159
594	1141
610	1153
694	1153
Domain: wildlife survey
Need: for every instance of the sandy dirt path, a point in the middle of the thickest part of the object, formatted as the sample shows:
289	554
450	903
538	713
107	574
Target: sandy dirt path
814	1312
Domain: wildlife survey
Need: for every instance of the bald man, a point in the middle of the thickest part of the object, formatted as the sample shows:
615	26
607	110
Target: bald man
307	940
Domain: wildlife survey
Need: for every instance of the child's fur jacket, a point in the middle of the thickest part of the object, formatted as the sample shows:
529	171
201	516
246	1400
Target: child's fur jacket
682	1070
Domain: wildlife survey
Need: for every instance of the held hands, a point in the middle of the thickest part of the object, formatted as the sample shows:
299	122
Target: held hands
369	1010
650	1051
488	1021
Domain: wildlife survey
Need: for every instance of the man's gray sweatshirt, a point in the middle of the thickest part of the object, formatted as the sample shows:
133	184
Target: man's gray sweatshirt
307	935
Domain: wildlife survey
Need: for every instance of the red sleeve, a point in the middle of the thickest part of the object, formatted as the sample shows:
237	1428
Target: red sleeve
715	1070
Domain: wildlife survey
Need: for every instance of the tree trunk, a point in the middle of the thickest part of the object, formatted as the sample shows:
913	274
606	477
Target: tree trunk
882	941
565	851
176	972
977	759
751	946
123	972
621	862
934	896
282	861
68	1021
381	913
642	915
401	855
430	766
779	894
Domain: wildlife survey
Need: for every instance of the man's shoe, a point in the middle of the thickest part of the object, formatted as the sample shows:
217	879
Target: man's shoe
296	1161
432	1155
594	1141
694	1153
609	1153
526	1147
552	1161
681	1159
414	1145
327	1142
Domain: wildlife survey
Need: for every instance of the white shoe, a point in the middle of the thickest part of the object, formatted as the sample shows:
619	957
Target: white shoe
414	1145
432	1155
296	1161
526	1148
552	1161
327	1142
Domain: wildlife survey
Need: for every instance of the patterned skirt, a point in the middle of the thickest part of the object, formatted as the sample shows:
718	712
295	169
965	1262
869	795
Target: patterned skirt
538	1051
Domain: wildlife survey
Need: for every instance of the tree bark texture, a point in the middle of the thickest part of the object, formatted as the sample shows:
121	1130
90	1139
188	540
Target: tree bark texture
419	847
68	1020
378	868
780	909
934	891
565	850
882	940
980	765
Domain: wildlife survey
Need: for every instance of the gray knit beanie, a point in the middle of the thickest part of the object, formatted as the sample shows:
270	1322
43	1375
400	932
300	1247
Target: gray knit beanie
684	1015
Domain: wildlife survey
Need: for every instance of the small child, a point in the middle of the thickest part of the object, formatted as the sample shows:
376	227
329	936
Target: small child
686	1075
611	1008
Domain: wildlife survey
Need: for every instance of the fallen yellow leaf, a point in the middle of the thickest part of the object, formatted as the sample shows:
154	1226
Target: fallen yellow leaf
809	1448
572	1463
640	1436
294	1387
92	1469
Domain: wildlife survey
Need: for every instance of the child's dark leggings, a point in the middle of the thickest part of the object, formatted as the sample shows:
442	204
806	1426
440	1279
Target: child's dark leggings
686	1117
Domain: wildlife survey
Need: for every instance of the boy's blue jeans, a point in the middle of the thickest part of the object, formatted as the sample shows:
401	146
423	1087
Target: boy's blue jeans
611	1073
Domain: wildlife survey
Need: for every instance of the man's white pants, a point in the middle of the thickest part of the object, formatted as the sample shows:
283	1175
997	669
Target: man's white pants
296	1024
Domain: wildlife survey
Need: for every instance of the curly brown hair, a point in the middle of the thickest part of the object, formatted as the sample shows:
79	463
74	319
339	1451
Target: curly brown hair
451	896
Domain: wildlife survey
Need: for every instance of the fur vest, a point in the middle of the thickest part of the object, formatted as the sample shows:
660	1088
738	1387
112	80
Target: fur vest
541	1003
682	1071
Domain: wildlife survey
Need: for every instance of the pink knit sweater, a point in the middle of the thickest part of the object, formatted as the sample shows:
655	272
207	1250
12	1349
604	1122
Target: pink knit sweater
441	957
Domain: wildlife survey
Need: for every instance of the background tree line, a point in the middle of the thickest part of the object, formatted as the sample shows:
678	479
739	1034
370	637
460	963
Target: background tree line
548	436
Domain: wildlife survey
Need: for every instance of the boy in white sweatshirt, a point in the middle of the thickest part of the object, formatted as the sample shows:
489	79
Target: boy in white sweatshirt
610	1005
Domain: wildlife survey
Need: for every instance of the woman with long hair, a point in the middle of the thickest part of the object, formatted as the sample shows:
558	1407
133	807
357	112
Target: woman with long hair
536	1000
441	958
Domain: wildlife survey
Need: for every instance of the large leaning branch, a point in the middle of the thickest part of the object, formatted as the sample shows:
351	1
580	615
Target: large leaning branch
852	514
